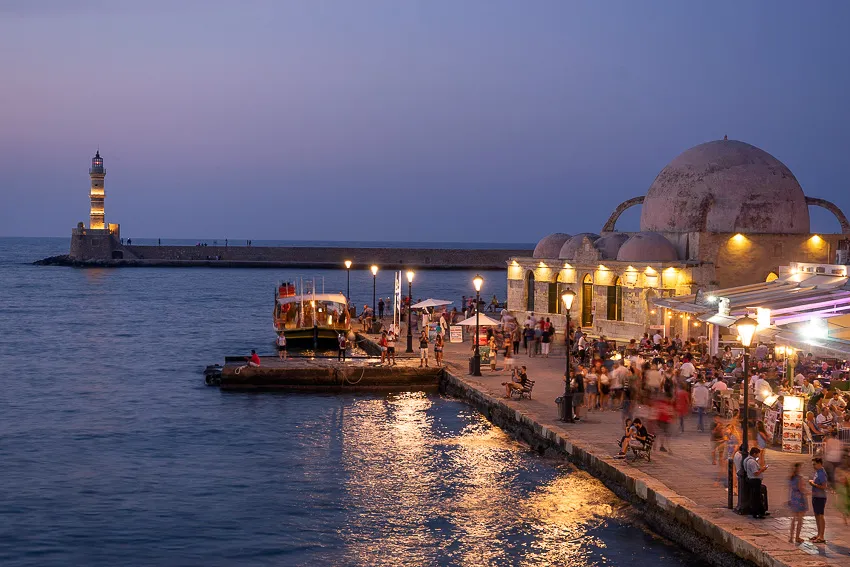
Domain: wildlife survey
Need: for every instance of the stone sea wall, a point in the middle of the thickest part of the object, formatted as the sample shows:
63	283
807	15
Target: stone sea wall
85	253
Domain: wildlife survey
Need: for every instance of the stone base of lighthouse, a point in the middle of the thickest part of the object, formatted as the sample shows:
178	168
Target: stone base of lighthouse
98	244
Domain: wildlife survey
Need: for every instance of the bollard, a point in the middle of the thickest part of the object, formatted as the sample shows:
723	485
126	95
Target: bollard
729	496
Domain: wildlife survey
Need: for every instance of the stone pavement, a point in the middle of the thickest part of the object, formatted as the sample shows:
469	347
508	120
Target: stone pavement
686	470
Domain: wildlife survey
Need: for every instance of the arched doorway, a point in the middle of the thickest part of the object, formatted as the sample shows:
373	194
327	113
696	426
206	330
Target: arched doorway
587	301
529	291
615	301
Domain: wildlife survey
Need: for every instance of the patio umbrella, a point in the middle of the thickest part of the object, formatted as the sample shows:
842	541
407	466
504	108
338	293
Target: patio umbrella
430	303
483	321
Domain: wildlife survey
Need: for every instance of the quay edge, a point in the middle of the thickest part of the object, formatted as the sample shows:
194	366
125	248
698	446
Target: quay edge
696	528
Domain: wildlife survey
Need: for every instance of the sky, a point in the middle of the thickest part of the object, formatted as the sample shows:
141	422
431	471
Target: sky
432	120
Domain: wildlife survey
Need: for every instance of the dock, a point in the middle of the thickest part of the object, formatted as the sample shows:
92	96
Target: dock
314	374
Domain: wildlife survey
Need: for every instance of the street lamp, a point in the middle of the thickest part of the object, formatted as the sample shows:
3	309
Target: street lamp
348	283
567	404
409	304
477	281
746	327
374	287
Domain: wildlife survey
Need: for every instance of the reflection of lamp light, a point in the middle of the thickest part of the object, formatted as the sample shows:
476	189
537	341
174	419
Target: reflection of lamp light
792	403
816	329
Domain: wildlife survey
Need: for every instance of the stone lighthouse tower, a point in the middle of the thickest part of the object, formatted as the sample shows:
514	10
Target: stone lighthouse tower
97	195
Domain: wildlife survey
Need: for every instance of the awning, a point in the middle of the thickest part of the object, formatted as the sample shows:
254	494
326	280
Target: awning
818	347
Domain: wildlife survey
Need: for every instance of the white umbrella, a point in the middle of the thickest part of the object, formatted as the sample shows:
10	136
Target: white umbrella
430	303
483	321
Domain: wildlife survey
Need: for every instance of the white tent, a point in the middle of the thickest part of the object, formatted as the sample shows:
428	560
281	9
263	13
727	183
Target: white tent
430	303
483	321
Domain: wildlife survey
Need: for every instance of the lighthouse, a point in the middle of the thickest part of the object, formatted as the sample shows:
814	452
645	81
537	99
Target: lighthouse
98	194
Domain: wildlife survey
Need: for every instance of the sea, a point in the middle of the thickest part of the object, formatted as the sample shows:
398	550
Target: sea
114	452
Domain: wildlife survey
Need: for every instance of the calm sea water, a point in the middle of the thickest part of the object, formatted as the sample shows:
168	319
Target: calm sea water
114	453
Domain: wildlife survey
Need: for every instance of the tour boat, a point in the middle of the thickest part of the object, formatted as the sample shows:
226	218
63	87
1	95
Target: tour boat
307	317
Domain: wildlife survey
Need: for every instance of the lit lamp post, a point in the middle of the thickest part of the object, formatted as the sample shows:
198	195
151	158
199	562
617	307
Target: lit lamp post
477	281
746	327
567	404
409	318
374	287
348	283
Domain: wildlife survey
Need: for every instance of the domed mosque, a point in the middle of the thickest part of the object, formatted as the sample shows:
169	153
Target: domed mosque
721	214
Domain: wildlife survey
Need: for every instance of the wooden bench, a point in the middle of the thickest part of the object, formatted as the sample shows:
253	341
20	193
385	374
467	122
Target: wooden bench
644	451
525	391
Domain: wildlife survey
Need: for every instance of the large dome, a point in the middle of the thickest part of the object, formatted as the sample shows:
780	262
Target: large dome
725	186
550	246
647	247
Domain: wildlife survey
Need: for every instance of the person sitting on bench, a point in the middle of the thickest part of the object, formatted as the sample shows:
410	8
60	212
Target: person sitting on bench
637	438
627	431
521	379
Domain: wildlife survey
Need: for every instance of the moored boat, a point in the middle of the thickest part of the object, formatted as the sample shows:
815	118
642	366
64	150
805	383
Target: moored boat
310	318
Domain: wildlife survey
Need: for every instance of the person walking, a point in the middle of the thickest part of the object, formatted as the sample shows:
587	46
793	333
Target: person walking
797	503
819	484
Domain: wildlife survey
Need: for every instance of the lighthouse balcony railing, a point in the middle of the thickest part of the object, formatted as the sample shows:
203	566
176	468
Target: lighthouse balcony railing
97	170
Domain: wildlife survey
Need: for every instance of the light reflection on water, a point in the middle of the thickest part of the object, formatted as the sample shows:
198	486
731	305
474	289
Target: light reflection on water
469	497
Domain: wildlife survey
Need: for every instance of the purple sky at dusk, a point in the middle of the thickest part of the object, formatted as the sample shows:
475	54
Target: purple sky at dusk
402	120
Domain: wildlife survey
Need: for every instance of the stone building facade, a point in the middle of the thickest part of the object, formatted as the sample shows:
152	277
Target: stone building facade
722	214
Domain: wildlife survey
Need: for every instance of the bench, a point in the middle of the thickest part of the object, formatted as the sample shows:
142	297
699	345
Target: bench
644	451
525	391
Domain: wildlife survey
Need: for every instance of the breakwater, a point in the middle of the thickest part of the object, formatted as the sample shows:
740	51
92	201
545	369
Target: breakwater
118	255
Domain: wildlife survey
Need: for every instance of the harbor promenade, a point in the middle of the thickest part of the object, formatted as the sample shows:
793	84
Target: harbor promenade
685	475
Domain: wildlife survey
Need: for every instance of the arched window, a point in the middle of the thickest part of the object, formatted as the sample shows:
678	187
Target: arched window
587	301
529	291
771	276
556	290
615	301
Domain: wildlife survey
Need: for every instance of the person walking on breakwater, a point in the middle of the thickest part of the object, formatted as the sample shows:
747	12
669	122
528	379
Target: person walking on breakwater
423	349
341	344
281	346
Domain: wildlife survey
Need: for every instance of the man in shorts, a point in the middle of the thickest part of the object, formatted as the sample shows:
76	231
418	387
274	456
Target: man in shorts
819	484
391	348
281	346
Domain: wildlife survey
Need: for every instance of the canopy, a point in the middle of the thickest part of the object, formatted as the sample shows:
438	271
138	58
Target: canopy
483	321
430	303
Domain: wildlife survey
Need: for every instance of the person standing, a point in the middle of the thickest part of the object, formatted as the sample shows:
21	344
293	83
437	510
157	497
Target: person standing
797	503
382	342
341	344
545	341
281	346
493	352
381	308
391	347
423	349
700	398
438	350
819	483
516	337
754	477
577	389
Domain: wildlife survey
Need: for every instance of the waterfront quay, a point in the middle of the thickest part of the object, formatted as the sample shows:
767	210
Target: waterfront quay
680	493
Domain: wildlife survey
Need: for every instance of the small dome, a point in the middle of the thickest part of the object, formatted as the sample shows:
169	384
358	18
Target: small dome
725	186
647	247
609	245
568	250
550	246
